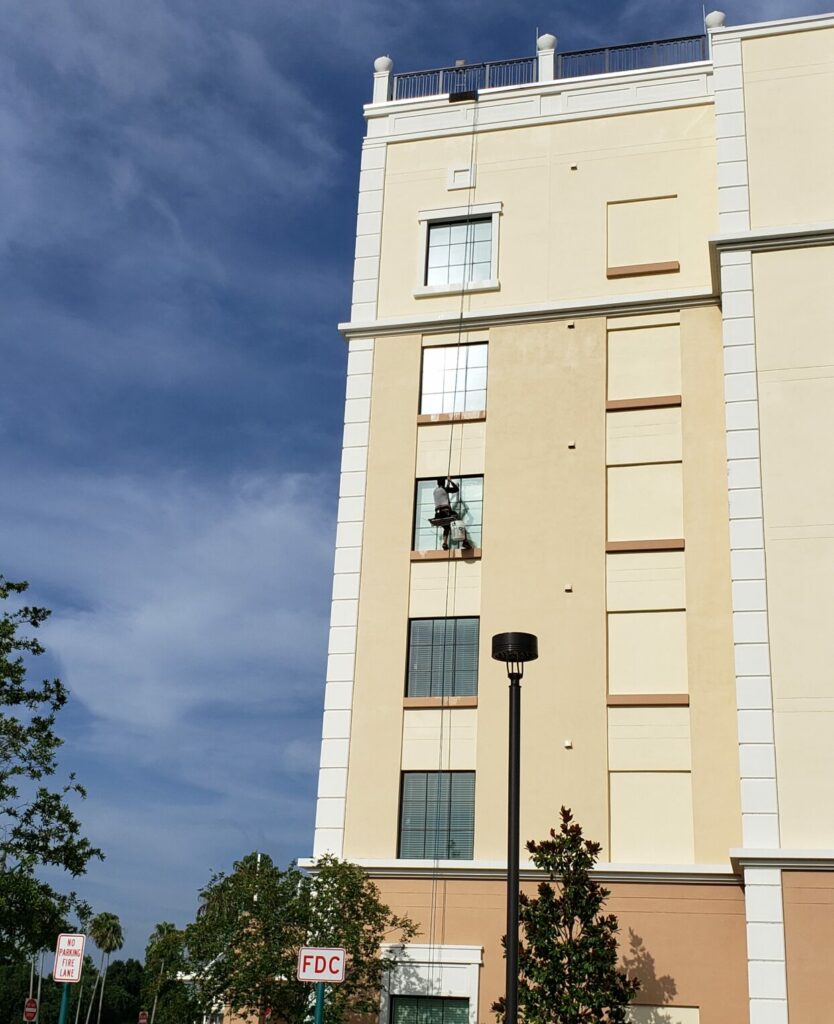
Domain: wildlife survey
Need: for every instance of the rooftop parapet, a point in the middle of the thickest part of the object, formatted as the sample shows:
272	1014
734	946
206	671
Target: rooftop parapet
547	65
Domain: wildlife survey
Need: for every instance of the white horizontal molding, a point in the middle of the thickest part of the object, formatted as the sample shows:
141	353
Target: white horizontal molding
461	212
772	28
694	874
634	305
783	859
794	236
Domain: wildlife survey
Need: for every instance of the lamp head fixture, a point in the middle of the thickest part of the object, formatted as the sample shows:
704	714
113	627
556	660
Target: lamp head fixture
514	649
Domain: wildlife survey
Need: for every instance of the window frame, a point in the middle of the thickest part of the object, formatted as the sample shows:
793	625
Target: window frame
457	347
427	772
457	215
442	618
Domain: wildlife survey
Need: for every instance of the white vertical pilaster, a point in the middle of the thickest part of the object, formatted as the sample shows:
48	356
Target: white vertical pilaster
765	946
341	656
748	566
368	233
546	51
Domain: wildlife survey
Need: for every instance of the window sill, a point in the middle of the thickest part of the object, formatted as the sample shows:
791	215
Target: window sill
473	554
648	700
440	702
424	291
651	402
671	544
451	417
643	269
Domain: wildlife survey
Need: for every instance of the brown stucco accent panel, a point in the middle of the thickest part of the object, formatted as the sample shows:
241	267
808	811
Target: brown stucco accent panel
808	898
686	943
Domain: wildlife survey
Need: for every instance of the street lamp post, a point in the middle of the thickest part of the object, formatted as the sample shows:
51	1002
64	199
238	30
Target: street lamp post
514	649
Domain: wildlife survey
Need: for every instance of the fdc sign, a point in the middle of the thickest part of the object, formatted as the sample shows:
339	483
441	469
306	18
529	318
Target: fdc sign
317	964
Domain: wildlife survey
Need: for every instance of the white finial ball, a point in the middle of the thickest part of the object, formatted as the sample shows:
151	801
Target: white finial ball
715	19
546	42
383	64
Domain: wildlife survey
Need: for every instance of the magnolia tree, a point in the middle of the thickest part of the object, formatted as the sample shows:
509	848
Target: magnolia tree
243	947
568	956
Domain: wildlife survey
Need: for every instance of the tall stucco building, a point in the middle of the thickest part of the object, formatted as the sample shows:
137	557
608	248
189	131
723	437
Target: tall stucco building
594	289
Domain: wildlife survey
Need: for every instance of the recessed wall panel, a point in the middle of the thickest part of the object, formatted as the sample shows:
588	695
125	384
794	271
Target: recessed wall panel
644	739
643	435
651	818
647	652
643	231
645	502
450	449
644	362
444	588
645	580
436	739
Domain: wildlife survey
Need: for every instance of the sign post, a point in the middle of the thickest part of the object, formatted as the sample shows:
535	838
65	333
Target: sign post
69	960
319	966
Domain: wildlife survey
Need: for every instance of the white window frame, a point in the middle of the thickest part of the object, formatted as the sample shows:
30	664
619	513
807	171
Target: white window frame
450	972
477	211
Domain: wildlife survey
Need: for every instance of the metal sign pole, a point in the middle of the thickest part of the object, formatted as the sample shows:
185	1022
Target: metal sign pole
319	1019
62	1016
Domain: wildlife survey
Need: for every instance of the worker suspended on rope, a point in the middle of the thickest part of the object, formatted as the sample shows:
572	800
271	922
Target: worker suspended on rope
446	517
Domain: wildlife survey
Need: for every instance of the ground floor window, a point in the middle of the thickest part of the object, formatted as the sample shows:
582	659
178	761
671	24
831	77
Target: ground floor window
428	1010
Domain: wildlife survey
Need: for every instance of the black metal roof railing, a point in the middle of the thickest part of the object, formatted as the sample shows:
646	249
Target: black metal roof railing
574	64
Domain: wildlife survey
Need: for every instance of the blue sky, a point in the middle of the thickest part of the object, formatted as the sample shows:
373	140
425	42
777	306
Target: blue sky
177	206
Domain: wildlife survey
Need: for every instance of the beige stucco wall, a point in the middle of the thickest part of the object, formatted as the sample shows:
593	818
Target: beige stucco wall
686	943
545	532
376	724
789	96
553	226
794	328
711	672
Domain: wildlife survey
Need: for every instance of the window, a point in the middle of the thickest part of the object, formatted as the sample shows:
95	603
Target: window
429	1010
437	815
458	249
468	503
442	657
454	378
459	252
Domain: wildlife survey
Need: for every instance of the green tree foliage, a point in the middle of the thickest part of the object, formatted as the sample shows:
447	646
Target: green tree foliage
37	825
163	985
244	944
106	932
568	956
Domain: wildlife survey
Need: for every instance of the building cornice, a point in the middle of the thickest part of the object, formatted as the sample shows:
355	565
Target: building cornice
482	871
539	103
634	305
794	236
805	23
785	859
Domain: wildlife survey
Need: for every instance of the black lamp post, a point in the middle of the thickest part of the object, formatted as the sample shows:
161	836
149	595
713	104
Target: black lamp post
514	649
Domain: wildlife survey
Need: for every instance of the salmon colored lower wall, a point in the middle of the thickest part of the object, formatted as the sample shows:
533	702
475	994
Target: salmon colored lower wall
808	898
686	943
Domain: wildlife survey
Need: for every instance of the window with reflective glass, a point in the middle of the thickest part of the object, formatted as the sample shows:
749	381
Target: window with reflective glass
454	378
459	252
468	503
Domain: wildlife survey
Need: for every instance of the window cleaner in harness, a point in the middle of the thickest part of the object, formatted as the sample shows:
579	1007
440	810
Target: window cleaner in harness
446	517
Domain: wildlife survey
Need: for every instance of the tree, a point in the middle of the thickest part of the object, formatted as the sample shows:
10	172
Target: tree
37	826
106	932
244	945
163	988
568	971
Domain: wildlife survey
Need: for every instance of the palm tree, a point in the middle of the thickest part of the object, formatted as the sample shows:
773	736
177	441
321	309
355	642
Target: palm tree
106	932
